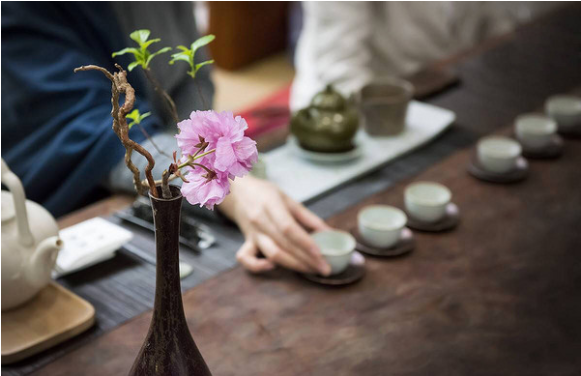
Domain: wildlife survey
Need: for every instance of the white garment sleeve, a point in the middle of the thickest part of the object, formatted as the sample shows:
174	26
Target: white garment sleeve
334	47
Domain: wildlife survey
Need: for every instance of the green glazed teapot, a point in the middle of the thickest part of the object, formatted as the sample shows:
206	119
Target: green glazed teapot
328	125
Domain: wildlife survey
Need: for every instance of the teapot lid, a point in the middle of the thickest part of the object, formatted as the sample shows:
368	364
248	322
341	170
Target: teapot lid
329	99
7	206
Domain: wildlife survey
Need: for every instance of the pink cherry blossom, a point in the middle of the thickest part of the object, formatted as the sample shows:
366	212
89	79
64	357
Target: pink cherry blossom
203	191
233	154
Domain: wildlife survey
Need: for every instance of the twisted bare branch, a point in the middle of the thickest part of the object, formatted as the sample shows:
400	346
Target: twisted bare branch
165	191
119	85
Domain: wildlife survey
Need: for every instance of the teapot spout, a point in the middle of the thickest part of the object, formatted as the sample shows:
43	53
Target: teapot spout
42	261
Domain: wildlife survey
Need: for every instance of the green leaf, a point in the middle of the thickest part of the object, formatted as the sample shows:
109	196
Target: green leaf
181	56
162	51
202	42
134	51
140	36
133	115
207	62
133	65
187	54
136	117
143	117
144	45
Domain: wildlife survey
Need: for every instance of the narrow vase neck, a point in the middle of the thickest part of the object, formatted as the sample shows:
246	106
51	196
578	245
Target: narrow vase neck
168	297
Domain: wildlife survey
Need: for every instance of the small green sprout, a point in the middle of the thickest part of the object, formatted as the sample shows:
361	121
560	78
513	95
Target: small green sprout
188	54
142	55
136	117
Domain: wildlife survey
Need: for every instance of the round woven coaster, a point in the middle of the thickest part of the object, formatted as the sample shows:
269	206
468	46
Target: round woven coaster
520	172
354	272
450	221
404	245
553	150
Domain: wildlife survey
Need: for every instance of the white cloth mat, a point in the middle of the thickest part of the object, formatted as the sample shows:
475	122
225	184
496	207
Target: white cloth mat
304	180
88	243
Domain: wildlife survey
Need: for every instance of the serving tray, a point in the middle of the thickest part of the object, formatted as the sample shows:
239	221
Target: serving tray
53	316
304	179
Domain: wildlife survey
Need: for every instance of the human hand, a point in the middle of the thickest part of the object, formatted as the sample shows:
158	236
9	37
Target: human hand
274	224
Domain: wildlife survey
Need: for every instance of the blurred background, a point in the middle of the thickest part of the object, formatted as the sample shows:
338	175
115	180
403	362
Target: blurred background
271	58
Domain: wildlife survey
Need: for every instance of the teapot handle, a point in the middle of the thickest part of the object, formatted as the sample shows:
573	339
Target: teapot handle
15	186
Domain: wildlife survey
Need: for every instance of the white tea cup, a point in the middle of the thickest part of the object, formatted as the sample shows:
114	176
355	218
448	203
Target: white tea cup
381	225
535	130
336	247
565	109
498	154
427	201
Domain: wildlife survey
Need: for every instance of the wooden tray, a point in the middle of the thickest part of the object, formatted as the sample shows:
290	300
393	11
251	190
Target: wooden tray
53	316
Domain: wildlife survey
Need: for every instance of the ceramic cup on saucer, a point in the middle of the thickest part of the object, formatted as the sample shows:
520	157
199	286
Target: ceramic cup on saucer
336	247
427	201
384	104
566	110
381	225
498	154
535	131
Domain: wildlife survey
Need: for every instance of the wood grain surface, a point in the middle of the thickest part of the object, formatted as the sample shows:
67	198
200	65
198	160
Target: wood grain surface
53	316
498	295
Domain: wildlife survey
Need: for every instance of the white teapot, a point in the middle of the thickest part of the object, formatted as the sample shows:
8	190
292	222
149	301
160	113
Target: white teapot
30	244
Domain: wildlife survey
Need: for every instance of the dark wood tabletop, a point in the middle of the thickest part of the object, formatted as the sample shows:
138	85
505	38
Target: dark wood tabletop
498	295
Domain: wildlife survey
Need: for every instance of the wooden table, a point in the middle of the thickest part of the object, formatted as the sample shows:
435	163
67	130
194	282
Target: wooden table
499	295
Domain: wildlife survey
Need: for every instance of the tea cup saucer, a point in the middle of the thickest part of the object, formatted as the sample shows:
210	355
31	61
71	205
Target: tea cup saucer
573	132
448	222
354	272
319	157
518	173
553	150
404	245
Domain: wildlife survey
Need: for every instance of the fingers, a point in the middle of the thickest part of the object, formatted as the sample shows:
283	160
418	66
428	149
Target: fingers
247	256
294	239
277	255
305	217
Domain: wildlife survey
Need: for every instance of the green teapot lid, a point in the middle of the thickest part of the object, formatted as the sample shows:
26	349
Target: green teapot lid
329	100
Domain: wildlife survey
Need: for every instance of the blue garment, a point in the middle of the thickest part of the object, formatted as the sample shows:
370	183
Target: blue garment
56	124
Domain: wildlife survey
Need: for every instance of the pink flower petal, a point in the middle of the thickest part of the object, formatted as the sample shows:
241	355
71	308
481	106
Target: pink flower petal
205	192
225	156
246	152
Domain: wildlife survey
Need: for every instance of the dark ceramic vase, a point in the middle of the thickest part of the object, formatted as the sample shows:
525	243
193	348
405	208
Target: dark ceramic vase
169	348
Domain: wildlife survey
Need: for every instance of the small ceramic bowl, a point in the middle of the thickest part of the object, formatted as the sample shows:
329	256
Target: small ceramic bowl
384	104
336	247
427	201
535	130
498	154
565	109
381	225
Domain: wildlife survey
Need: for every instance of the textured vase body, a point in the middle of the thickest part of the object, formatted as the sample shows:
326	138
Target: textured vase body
169	348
